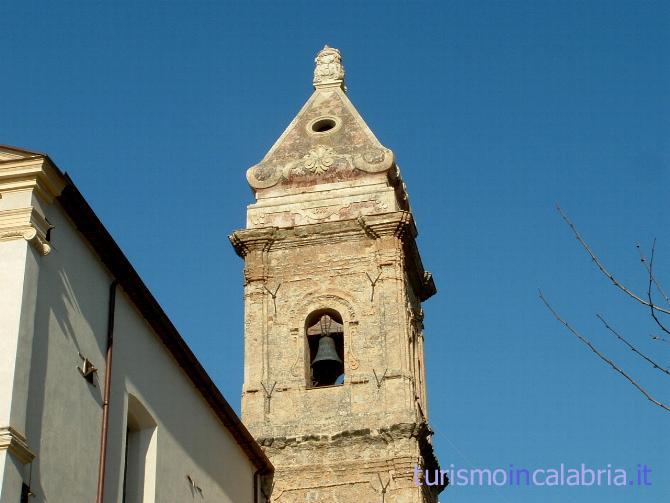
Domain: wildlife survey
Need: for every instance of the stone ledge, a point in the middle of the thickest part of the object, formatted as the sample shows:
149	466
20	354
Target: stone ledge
16	443
36	173
397	224
386	434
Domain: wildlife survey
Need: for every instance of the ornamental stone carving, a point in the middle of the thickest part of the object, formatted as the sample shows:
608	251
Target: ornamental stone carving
26	223
319	159
328	142
374	160
329	69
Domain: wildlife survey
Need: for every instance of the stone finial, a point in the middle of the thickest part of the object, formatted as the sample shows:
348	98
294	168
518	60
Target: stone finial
329	70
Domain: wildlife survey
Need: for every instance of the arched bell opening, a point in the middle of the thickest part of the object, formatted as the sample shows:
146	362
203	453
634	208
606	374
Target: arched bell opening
325	348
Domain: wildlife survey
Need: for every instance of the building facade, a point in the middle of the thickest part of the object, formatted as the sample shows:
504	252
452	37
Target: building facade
100	397
334	384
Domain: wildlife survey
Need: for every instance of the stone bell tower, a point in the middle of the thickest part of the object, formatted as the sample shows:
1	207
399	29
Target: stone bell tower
334	382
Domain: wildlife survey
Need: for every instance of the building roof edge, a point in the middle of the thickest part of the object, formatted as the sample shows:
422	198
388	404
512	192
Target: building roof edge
109	252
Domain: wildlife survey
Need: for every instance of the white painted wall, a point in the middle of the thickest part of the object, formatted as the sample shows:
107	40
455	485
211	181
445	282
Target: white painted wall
64	412
18	284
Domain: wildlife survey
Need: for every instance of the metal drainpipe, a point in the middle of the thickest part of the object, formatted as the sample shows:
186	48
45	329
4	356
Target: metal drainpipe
256	475
106	392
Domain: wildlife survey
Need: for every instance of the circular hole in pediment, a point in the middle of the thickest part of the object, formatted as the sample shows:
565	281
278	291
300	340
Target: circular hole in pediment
323	125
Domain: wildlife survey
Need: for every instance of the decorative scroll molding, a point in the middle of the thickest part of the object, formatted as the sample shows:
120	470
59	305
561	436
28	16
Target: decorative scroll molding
374	160
26	223
262	176
319	160
329	70
315	212
353	336
16	443
296	369
320	213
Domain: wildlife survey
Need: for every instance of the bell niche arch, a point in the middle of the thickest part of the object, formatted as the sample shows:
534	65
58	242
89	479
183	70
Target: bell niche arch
324	348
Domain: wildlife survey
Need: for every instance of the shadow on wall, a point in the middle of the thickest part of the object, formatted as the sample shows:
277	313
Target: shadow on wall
70	320
64	421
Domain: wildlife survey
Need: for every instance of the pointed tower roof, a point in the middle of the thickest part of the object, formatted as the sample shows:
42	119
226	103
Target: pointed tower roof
328	180
326	146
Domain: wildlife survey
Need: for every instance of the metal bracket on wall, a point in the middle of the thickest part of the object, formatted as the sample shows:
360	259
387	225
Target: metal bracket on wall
194	488
273	295
87	369
373	283
383	486
380	381
268	395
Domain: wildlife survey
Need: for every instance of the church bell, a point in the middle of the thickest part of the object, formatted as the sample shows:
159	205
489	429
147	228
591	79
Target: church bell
326	351
327	366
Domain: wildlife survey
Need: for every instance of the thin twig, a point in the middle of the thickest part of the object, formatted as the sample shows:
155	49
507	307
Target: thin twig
602	356
659	338
602	267
643	259
633	348
651	280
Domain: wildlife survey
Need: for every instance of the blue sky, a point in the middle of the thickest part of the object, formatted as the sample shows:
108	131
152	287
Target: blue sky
495	110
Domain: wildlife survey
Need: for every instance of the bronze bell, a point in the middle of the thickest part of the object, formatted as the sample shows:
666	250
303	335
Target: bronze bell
326	351
327	365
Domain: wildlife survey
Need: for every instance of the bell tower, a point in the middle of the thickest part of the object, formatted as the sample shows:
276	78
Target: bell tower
334	381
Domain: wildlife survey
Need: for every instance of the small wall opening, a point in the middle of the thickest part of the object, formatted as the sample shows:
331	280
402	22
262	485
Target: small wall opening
139	470
323	125
325	348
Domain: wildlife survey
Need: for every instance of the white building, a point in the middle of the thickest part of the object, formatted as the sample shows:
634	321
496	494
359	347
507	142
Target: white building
100	397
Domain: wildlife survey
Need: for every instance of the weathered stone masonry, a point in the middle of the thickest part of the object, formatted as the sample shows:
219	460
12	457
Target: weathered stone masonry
331	231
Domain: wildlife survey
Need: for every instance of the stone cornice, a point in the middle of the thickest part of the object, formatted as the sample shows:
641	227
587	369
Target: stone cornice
16	443
25	223
35	173
419	430
248	240
400	224
267	238
397	224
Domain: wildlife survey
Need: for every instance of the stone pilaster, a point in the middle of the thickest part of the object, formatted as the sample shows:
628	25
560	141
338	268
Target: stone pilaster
29	183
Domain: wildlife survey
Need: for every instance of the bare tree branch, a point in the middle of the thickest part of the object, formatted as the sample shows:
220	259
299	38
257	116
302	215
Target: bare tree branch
602	356
604	270
651	280
659	338
633	348
643	259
